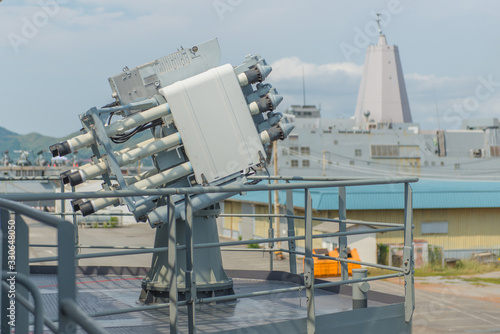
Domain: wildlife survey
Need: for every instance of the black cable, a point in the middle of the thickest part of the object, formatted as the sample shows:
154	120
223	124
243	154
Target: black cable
109	117
252	171
112	104
122	138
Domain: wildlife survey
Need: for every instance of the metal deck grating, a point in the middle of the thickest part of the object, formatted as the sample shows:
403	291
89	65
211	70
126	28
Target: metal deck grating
103	293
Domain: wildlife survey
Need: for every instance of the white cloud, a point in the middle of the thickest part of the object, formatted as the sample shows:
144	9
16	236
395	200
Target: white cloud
428	78
332	86
92	20
450	99
335	86
292	67
71	56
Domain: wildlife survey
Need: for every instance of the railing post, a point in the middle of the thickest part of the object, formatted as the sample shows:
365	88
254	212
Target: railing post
66	273
2	319
291	231
77	236
408	263
190	277
23	267
4	304
63	202
172	266
309	265
271	230
344	273
37	310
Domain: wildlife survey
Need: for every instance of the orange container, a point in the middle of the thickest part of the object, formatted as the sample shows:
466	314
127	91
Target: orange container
329	268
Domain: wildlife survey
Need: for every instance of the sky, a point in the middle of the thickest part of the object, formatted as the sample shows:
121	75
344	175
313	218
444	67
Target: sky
58	54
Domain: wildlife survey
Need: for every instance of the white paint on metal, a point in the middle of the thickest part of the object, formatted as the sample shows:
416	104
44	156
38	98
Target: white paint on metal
382	96
212	116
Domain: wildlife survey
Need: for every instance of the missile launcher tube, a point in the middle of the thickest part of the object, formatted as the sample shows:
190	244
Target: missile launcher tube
87	139
124	157
156	180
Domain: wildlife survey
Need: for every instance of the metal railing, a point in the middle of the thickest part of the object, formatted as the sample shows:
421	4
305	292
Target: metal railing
66	264
70	314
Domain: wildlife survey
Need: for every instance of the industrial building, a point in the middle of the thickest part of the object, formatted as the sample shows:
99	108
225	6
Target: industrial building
461	216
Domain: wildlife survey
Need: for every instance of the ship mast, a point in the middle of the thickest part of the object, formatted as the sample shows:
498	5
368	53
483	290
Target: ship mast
382	95
378	24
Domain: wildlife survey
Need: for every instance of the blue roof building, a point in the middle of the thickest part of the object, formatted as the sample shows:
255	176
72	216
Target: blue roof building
427	194
458	215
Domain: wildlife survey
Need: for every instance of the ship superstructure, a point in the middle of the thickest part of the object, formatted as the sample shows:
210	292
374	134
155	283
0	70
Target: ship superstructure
381	138
23	167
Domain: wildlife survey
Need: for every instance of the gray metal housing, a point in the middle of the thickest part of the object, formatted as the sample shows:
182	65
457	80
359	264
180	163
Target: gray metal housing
145	80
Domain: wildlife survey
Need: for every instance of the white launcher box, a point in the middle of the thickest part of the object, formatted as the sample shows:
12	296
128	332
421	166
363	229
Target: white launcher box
212	116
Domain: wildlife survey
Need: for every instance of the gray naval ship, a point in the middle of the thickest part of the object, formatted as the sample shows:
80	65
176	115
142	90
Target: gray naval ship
381	138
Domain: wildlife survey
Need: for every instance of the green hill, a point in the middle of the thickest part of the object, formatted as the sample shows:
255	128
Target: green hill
35	142
31	142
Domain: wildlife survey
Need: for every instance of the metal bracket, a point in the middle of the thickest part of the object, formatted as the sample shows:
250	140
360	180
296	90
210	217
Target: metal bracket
89	123
262	159
207	212
113	166
177	150
204	180
308	272
407	259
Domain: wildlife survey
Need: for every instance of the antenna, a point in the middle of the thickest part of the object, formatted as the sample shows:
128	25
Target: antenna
303	86
378	24
435	103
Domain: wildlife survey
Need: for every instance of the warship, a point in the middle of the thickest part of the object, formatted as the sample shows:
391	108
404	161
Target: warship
21	175
24	168
381	138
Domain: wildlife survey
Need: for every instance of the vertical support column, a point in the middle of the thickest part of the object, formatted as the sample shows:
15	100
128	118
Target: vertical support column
77	236
63	202
271	230
172	266
291	231
4	303
66	273
2	319
344	273
277	220
408	263
309	265
23	267
190	278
